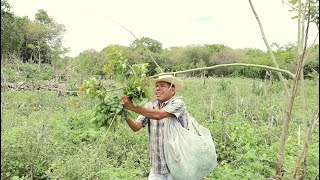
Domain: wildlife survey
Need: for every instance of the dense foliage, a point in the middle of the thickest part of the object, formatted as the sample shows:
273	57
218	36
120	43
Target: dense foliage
134	84
39	40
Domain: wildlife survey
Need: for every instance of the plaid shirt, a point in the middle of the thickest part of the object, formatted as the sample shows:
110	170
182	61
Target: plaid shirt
173	106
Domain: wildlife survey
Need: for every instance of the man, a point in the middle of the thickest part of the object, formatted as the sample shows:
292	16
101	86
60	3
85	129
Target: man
164	107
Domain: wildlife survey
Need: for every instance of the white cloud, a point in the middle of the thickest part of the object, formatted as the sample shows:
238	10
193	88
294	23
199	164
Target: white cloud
93	24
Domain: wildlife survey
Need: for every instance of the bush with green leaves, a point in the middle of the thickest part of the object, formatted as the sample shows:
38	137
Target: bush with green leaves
130	80
310	68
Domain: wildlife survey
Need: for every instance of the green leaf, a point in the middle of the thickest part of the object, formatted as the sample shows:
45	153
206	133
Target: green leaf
15	178
31	46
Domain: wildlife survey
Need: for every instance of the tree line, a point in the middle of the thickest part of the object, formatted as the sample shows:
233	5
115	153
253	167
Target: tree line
40	41
37	41
196	56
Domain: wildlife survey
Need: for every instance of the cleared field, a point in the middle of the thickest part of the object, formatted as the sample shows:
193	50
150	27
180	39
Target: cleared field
50	137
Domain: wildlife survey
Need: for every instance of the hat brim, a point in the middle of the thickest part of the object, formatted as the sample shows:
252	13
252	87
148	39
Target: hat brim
177	82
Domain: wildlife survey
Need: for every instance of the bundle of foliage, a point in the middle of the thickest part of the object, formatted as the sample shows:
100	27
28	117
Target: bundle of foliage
126	79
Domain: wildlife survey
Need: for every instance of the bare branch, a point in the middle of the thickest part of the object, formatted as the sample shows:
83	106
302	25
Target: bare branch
269	49
229	65
284	134
142	46
315	120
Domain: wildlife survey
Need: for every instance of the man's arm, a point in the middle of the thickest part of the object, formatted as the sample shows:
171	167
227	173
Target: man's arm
156	114
134	125
146	112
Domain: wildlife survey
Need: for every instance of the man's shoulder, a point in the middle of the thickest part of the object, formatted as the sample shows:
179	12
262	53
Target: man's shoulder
151	103
177	99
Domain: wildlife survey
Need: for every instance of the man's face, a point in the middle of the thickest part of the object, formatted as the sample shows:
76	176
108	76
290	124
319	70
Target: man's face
164	92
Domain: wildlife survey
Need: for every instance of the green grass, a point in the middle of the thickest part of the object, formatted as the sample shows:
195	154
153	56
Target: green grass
49	137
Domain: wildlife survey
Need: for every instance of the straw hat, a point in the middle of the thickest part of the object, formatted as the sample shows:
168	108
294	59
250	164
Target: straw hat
177	82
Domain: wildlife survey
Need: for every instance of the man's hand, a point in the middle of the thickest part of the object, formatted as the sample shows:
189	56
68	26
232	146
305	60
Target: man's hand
127	103
156	114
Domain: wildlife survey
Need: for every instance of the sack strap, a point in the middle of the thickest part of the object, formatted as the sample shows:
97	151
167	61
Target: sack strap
193	125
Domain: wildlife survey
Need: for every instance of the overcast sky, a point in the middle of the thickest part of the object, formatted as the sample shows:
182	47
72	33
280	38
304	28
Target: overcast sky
94	24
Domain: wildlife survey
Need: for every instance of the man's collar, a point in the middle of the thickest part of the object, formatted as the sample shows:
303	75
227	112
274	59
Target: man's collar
161	105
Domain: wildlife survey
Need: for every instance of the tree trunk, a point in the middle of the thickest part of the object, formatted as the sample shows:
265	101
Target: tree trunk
279	169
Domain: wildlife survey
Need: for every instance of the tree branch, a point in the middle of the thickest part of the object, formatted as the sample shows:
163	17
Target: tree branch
269	49
142	46
230	65
285	130
315	120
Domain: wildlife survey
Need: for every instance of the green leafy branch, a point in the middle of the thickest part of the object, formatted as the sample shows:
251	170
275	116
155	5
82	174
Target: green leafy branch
133	83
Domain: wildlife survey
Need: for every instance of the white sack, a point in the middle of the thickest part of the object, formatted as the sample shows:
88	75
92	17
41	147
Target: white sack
190	154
